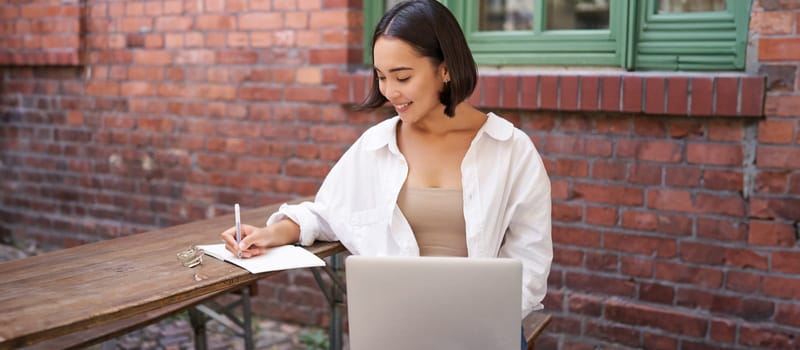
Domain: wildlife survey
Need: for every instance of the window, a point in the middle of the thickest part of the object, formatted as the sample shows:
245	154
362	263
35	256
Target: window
637	35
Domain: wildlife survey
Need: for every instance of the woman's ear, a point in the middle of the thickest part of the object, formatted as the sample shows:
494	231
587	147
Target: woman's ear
444	73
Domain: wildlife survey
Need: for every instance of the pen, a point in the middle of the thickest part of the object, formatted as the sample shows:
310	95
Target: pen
238	229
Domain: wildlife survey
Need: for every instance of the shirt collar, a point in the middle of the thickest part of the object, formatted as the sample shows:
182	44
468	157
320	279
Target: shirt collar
384	133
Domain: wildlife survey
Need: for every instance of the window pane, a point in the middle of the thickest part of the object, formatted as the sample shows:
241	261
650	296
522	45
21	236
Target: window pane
577	14
506	15
681	6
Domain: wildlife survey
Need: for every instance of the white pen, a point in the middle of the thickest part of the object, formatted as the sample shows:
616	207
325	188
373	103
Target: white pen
238	229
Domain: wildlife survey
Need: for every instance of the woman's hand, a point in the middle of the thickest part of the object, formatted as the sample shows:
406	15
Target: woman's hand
256	240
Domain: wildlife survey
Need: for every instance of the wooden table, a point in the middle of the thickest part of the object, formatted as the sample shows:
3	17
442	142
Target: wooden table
95	285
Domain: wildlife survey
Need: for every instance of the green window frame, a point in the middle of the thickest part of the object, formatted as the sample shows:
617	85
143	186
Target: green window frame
637	38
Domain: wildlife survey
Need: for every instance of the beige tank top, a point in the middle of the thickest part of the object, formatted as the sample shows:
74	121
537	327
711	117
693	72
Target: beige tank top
437	218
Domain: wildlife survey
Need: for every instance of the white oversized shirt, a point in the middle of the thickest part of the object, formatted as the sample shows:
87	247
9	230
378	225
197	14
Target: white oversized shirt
506	193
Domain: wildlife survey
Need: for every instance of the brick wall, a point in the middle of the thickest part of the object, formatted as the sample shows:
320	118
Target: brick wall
40	32
675	209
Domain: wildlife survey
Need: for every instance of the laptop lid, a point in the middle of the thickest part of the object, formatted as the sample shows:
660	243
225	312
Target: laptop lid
433	303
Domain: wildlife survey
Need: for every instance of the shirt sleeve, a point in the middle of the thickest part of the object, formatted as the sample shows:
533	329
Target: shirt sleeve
528	237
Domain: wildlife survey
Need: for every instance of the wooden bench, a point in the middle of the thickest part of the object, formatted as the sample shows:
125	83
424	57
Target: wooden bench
532	325
51	319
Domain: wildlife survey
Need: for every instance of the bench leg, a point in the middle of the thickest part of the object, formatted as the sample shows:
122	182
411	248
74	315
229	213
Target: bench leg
198	321
247	319
335	329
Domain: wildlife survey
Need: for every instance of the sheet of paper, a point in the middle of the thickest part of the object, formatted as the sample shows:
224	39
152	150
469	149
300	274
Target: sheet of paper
274	259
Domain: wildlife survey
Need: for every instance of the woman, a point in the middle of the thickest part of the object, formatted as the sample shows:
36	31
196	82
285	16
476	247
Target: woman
440	178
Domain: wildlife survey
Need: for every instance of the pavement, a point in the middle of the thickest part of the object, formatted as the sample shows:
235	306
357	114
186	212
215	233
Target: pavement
175	332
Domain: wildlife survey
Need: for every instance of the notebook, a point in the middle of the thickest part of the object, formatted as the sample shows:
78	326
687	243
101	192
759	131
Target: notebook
274	259
433	303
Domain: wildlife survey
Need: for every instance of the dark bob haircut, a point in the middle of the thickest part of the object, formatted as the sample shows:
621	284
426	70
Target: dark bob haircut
429	27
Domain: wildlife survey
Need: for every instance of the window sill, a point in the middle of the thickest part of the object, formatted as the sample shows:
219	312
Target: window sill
680	94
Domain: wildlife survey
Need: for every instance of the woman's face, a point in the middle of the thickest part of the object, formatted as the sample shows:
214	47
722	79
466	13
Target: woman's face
409	81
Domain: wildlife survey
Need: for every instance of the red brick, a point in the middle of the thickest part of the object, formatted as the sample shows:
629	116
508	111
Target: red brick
683	176
567	257
719	255
331	56
585	304
647	174
744	282
649	127
609	170
779	49
669	200
612	125
334	134
723	180
694	299
639	244
568	97
572	123
766	337
788	314
529	94
491	91
549	91
769	233
589	92
599	284
152	57
311	94
694	275
720	204
677	96
604	216
625	336
236	57
776	131
772	182
637	267
769	208
658	151
727	93
215	22
655	95
752	96
511	93
260	21
659	342
714	154
782	105
778	157
609	194
602	262
571	167
701	98
566	325
575	236
723	330
559	189
772	22
583	146
656	293
610	91
725	130
780	287
260	93
102	88
641	315
779	77
632	94
567	213
786	261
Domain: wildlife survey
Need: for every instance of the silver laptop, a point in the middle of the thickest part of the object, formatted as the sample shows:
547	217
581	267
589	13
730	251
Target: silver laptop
433	303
